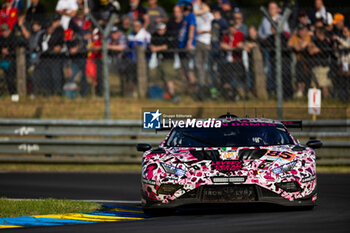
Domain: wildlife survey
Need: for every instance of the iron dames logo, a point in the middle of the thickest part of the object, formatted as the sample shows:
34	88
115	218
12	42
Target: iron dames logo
151	120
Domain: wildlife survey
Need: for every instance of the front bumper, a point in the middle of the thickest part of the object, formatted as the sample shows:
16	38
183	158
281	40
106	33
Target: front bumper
221	194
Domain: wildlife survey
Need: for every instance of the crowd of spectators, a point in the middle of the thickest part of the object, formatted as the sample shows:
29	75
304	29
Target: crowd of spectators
206	47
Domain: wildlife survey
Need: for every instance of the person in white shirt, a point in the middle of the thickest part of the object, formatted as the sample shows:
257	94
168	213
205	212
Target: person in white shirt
67	9
203	21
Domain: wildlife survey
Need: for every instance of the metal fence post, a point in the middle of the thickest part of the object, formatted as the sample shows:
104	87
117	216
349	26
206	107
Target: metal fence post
21	71
278	54
141	71
105	32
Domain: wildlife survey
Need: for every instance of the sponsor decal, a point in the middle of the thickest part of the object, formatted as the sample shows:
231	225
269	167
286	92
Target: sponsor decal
228	155
308	178
153	120
284	155
285	175
146	181
228	165
192	123
235	179
247	124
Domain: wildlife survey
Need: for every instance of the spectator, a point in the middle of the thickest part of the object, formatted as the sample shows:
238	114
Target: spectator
265	32
250	44
164	71
156	14
299	43
138	13
174	25
187	41
76	45
138	37
116	44
50	74
125	26
203	22
94	59
35	33
67	9
8	14
200	7
342	87
233	72
240	26
286	66
219	27
265	25
320	52
36	12
226	10
338	23
304	19
320	12
7	59
21	31
18	4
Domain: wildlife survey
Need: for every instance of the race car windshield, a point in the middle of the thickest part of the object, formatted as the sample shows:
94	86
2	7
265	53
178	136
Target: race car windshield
230	136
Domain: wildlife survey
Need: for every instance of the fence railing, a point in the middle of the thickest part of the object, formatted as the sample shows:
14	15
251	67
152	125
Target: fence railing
114	141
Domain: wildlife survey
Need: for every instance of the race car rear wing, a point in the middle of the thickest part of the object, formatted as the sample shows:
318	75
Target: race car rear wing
293	124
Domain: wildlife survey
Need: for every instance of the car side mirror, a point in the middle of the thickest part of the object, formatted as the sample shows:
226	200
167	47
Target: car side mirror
314	144
143	147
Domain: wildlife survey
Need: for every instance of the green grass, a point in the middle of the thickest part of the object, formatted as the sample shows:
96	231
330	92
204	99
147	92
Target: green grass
130	108
15	208
68	168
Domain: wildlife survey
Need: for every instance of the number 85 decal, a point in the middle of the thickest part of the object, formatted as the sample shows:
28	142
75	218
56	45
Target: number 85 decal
281	154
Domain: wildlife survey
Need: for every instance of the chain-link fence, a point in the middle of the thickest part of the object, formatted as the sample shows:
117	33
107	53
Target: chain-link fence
235	63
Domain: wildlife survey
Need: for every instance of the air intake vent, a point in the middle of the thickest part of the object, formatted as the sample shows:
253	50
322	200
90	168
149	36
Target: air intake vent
251	154
206	154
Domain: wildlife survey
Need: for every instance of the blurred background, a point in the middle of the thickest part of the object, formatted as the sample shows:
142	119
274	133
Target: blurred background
196	53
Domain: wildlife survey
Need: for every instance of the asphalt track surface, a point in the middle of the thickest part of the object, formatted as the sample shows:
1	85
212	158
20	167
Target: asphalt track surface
331	215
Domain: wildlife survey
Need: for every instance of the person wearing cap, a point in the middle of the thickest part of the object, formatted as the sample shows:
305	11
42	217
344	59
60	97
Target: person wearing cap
7	58
233	71
338	23
8	14
165	72
299	44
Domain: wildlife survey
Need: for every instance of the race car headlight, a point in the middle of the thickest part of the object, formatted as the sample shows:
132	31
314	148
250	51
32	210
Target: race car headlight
284	168
173	170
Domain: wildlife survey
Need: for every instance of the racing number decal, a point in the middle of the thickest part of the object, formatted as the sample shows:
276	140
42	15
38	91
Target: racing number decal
281	154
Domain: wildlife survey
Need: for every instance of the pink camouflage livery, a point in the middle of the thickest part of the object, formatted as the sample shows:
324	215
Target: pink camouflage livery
283	173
